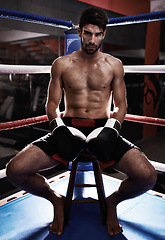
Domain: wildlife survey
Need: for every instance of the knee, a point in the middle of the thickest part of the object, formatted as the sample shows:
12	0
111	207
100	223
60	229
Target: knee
149	178
153	177
12	170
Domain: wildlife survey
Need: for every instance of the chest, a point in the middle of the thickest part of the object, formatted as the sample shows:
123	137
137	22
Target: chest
92	76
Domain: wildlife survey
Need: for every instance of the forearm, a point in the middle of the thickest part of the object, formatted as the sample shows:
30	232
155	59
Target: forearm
52	111
120	112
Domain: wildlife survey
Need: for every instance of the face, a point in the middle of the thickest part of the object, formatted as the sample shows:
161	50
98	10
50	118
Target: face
91	38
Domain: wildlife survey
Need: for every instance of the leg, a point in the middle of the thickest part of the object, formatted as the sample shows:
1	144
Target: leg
141	176
23	170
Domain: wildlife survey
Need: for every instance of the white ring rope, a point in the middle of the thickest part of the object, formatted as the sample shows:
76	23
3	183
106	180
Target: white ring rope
158	166
23	69
144	69
2	173
32	69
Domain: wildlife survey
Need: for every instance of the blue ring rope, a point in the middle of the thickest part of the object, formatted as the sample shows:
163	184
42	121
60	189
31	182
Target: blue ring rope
147	17
17	15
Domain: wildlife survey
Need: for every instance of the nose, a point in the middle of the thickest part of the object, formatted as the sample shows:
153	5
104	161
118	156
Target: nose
92	39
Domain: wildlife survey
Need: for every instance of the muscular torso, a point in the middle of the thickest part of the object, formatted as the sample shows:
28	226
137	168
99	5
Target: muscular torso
87	86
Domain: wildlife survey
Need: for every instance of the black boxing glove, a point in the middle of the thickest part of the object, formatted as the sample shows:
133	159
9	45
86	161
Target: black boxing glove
101	141
70	141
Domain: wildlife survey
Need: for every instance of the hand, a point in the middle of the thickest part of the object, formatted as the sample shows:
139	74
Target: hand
101	141
70	141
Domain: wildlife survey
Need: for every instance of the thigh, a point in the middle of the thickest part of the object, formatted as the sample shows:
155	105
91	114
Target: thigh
31	160
134	164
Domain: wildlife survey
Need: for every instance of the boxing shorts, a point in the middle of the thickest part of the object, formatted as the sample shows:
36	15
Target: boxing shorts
86	126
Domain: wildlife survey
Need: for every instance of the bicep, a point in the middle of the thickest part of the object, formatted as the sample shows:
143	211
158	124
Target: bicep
118	86
55	85
54	89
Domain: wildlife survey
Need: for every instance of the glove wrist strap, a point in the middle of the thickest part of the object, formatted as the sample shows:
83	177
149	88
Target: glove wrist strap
113	123
56	122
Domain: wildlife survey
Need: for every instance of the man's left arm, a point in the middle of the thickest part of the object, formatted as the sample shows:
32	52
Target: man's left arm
119	93
101	141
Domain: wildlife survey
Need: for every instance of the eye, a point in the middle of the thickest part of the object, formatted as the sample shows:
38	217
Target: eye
99	34
87	33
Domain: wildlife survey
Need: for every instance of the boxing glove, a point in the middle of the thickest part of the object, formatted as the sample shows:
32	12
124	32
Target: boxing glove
101	142
70	141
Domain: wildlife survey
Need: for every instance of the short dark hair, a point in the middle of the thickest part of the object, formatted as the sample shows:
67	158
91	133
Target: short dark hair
95	16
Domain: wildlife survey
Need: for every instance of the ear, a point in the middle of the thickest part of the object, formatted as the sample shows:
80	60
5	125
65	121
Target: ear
79	31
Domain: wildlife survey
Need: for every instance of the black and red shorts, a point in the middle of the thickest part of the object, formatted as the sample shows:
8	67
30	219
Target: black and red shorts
48	145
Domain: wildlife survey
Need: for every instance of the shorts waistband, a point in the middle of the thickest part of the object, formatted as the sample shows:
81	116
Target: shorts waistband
84	122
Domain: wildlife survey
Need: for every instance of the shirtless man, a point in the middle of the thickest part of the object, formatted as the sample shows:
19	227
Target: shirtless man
88	77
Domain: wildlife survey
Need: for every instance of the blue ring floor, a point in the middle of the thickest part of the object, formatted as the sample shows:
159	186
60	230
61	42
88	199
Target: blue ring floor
28	217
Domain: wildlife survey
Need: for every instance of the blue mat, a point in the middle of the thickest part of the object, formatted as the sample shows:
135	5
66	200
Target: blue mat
29	217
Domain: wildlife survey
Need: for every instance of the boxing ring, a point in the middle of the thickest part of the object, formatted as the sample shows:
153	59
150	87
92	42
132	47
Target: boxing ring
25	216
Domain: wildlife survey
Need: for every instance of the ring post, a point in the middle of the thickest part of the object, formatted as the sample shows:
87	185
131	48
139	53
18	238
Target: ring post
72	41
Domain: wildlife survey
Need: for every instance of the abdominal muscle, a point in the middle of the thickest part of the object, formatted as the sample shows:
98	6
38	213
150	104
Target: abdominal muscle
91	105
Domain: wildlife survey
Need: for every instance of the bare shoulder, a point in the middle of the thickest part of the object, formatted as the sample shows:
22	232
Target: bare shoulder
62	62
113	61
58	62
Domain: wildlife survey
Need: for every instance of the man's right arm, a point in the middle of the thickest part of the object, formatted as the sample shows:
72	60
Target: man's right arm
54	90
69	141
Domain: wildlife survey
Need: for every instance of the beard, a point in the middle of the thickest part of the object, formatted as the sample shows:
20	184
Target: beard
90	49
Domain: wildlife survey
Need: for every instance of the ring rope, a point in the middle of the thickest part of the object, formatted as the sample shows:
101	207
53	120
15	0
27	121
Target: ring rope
141	18
26	122
27	17
145	120
158	166
2	173
33	18
22	122
40	119
33	69
24	69
144	69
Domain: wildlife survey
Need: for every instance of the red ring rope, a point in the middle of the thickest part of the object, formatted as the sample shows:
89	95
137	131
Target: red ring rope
40	119
146	120
22	123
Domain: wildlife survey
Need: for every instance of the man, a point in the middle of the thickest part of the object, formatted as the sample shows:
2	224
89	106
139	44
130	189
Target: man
88	77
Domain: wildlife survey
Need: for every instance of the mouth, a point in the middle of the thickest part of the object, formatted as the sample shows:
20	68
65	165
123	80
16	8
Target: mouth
91	46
